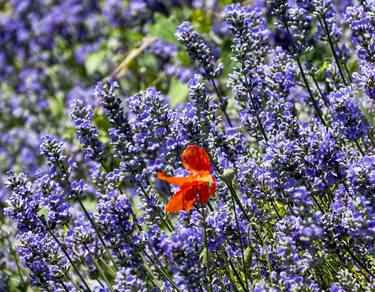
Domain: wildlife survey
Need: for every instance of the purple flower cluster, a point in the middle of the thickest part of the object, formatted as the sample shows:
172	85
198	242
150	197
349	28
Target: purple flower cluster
198	49
288	128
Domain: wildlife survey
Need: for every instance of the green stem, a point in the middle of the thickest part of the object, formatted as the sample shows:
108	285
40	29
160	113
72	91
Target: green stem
317	203
267	259
260	125
227	273
359	262
315	104
108	267
12	252
161	270
149	271
276	210
220	98
74	284
359	148
286	198
237	276
166	222
206	247
234	195
67	256
65	288
318	87
325	24
99	268
348	73
241	245
97	232
170	280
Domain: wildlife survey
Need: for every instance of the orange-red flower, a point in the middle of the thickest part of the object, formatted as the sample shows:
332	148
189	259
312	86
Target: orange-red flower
199	184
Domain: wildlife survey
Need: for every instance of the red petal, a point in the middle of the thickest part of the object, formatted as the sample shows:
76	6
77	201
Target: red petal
200	189
204	193
213	187
195	159
183	200
177	181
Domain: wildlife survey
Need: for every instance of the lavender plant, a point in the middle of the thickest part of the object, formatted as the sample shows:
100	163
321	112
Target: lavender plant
281	107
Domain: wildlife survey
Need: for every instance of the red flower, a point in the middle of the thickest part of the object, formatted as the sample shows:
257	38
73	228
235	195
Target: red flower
199	184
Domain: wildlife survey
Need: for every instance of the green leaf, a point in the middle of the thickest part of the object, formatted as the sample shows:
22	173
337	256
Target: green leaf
184	58
205	256
68	133
101	122
201	21
163	28
321	70
177	92
43	212
94	61
225	2
57	106
90	204
247	256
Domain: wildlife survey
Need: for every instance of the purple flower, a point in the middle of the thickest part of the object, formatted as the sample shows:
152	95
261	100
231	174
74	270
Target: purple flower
88	135
43	257
198	50
347	118
360	20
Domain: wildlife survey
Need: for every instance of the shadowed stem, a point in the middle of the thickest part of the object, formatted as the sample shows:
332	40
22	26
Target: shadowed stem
316	82
359	147
276	209
170	280
311	94
148	271
100	282
143	251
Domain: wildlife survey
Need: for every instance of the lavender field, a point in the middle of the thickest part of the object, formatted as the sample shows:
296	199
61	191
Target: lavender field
178	145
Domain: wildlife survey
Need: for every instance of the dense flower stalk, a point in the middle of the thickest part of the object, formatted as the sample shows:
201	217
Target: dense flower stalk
88	135
198	50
